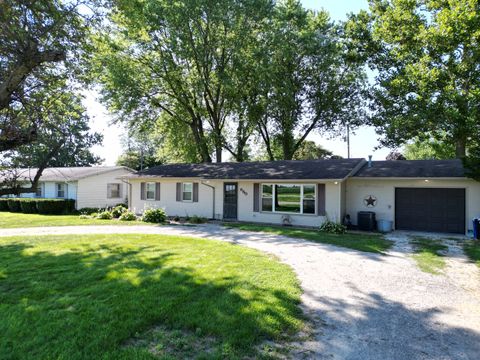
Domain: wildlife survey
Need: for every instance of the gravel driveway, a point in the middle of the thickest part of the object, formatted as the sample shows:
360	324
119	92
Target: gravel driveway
362	305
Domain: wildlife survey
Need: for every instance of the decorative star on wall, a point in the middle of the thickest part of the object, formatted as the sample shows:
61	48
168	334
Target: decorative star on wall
370	201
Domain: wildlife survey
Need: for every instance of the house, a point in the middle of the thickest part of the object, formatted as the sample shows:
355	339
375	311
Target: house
418	195
96	186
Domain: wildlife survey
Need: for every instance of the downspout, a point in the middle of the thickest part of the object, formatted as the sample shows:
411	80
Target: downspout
213	191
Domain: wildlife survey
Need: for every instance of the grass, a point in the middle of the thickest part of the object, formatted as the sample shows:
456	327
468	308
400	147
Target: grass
141	297
472	250
19	220
363	242
428	254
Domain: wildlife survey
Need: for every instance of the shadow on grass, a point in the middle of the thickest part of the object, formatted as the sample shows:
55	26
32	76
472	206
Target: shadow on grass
85	302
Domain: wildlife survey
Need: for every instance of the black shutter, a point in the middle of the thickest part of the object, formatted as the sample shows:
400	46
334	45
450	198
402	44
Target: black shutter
195	192
256	197
157	191
321	211
179	191
142	191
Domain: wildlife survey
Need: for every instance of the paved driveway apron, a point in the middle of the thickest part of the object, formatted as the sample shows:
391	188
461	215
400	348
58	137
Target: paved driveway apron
363	306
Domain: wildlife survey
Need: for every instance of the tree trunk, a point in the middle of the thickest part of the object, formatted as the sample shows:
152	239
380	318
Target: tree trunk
460	148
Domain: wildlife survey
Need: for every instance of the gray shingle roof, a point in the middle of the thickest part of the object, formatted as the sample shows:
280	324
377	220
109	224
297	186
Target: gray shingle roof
413	169
65	173
286	169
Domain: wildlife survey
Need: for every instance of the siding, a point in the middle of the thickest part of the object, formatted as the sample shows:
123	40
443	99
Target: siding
204	207
384	191
92	191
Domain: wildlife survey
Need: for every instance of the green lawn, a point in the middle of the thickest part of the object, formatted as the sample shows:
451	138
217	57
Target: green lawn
136	296
363	242
19	220
428	254
472	249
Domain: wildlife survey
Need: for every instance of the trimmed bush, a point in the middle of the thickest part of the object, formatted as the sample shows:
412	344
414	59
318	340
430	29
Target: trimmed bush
118	210
3	204
105	215
333	228
28	206
128	216
154	216
55	206
14	205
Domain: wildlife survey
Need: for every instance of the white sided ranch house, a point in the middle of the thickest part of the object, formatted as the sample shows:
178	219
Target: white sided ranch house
420	195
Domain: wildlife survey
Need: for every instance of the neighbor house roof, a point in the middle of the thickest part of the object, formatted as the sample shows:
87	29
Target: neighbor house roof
286	169
413	169
63	173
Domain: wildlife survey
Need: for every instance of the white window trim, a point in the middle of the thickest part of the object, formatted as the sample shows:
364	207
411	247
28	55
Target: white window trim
65	190
191	192
109	196
154	191
301	199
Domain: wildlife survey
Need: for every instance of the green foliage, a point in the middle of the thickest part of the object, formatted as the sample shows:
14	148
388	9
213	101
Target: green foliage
14	205
472	250
84	217
89	210
154	216
28	206
333	227
128	216
55	206
425	53
105	215
197	220
472	163
117	211
429	149
4	204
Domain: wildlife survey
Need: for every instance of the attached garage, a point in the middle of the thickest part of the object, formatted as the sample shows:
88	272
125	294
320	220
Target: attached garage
430	209
417	195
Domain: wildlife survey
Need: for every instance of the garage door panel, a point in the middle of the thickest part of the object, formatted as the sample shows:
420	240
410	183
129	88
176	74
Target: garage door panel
430	209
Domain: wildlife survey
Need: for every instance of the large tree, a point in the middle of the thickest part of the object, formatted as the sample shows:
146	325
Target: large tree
64	139
426	54
316	80
183	59
40	45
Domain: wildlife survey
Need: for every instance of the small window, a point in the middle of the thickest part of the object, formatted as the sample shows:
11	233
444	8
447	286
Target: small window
150	191
61	190
39	192
187	192
113	191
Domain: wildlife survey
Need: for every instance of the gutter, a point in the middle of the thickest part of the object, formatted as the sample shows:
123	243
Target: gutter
213	191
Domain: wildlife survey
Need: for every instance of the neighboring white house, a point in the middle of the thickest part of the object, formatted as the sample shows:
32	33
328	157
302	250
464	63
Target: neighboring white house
421	195
96	186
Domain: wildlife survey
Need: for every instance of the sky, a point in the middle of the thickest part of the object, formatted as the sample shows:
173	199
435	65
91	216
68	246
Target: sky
362	143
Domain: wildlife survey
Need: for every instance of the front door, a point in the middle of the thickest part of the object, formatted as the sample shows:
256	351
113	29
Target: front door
230	199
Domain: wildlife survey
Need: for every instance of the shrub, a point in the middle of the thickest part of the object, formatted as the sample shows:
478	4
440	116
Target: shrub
333	228
128	216
3	204
28	206
105	215
154	216
55	206
198	220
89	210
14	205
118	210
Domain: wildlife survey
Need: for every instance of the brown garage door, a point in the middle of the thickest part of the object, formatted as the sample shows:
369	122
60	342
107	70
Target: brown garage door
435	210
